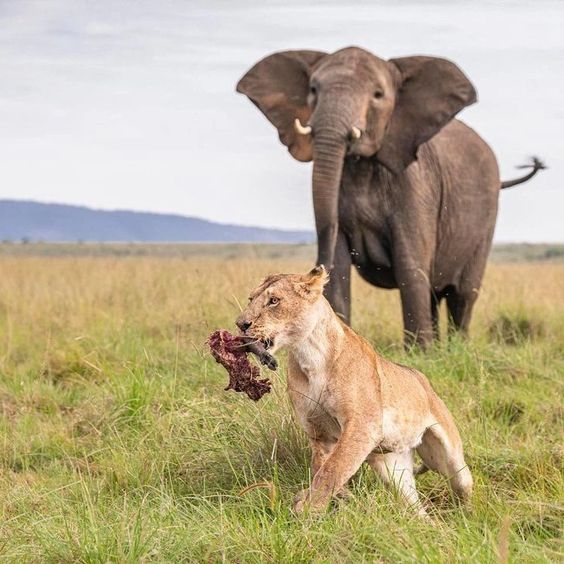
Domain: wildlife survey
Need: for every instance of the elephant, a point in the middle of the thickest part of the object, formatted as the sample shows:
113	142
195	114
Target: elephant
402	190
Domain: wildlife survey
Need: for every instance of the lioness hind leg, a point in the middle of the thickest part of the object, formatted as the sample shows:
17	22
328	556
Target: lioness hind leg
438	454
396	470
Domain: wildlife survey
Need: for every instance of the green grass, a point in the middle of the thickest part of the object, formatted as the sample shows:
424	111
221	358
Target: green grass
118	443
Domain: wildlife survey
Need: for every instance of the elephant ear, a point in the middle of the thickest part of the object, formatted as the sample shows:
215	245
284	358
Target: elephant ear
279	86
431	92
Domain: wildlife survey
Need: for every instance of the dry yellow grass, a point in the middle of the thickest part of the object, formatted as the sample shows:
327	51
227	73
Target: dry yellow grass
68	296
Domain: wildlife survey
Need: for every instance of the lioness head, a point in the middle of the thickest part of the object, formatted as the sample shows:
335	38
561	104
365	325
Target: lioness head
283	308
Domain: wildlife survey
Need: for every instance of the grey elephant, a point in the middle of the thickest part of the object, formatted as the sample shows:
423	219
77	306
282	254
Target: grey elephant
401	190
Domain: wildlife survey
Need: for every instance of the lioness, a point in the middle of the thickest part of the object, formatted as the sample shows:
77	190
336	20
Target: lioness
354	405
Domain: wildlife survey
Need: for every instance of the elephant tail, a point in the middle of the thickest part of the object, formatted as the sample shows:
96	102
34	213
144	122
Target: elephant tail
536	165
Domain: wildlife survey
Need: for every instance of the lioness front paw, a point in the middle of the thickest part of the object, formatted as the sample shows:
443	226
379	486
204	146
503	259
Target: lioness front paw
303	502
300	500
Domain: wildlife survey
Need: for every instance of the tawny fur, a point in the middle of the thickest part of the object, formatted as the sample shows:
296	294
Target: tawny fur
354	405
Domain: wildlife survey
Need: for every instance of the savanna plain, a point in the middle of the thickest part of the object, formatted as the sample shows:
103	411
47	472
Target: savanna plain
118	443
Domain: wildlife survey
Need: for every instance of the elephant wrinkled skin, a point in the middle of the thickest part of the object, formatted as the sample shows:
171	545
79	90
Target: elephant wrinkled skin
401	190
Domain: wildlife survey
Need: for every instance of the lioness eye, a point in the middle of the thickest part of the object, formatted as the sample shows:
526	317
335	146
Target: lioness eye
273	301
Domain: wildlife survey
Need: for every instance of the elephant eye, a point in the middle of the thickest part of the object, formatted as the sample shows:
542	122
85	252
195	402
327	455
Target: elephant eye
378	94
313	90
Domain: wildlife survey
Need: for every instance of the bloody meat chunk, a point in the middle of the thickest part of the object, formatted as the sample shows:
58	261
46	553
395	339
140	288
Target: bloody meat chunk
231	352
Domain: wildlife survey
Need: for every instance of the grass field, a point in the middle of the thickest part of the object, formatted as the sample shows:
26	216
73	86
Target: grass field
118	443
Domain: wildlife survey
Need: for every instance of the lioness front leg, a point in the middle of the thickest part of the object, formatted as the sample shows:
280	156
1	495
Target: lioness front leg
351	450
320	451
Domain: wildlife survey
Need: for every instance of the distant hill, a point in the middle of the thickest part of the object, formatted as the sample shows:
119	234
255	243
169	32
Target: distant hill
34	221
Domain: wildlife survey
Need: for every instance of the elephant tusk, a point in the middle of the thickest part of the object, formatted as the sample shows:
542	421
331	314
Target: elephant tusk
356	133
301	129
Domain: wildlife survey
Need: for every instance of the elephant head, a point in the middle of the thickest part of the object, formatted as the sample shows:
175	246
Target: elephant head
328	106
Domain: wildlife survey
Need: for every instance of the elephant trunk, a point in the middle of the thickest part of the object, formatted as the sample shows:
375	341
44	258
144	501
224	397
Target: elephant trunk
328	158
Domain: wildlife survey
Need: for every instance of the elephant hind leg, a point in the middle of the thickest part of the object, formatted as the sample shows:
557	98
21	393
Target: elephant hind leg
435	303
461	299
460	305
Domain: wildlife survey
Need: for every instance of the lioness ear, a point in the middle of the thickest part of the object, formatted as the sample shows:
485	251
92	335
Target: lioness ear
314	281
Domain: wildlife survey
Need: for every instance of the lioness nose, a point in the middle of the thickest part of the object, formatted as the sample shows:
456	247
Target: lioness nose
243	324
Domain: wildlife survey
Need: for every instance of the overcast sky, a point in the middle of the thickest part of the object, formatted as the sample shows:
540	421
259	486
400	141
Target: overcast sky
131	104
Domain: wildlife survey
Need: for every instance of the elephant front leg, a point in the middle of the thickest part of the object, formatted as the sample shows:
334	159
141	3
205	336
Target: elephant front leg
416	305
354	445
338	290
